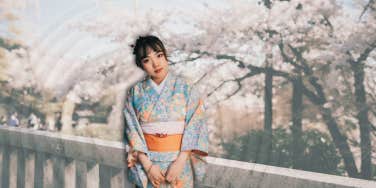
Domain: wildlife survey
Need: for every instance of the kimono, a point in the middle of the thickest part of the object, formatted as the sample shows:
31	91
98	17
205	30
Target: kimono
177	107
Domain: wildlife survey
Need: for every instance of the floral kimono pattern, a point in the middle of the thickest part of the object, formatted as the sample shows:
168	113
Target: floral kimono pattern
176	102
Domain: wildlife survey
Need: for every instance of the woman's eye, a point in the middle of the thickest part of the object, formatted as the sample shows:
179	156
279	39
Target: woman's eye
145	60
160	55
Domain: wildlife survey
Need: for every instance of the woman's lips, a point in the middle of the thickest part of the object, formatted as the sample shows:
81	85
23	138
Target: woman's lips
158	70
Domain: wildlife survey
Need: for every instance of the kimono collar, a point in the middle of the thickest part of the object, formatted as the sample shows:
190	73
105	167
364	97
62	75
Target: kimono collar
149	89
159	87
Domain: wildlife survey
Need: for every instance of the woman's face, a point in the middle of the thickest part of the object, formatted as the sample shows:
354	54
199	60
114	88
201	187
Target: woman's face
155	65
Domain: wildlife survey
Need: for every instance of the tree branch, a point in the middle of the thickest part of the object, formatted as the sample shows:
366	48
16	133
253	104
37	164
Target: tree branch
311	95
371	124
366	53
189	59
241	64
288	59
326	19
363	56
252	68
318	88
368	5
207	73
318	98
299	57
237	80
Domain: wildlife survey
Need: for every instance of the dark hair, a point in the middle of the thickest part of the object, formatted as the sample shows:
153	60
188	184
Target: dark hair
144	42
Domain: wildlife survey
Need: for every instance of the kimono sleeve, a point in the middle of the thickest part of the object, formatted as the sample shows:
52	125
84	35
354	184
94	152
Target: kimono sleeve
132	134
195	135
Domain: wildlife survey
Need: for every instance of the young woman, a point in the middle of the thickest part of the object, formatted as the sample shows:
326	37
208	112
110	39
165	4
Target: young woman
166	129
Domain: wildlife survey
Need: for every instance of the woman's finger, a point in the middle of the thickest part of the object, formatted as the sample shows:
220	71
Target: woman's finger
155	183
131	163
161	178
170	178
175	184
163	173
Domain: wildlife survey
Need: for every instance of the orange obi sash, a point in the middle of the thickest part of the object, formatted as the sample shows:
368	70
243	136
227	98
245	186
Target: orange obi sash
163	142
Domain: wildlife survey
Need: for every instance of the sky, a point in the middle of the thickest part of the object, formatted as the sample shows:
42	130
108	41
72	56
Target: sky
43	22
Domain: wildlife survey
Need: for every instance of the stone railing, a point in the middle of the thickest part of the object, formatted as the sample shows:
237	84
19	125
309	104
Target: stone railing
30	158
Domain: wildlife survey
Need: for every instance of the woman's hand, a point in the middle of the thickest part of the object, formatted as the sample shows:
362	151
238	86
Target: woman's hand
175	169
153	172
155	175
132	158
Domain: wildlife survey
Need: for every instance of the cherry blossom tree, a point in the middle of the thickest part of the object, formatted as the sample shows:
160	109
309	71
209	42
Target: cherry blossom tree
305	42
324	55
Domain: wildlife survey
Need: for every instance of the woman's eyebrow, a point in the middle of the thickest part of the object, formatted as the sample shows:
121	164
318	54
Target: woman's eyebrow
153	53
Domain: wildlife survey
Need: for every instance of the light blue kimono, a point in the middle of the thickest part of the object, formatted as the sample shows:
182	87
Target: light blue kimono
177	101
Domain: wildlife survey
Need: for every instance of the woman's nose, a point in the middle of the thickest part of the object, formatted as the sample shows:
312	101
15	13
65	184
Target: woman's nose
155	62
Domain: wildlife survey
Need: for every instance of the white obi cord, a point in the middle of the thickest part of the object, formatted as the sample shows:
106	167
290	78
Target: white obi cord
166	127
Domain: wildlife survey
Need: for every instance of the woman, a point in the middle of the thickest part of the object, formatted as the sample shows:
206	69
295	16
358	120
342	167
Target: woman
166	129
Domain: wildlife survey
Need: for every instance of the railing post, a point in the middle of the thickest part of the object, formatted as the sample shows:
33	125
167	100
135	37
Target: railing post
5	166
20	168
1	164
13	167
58	172
63	172
29	168
48	172
117	178
70	173
127	183
81	174
92	178
104	176
39	169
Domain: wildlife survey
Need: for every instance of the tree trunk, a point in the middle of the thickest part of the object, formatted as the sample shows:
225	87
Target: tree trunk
362	116
339	140
266	144
296	128
318	98
67	114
